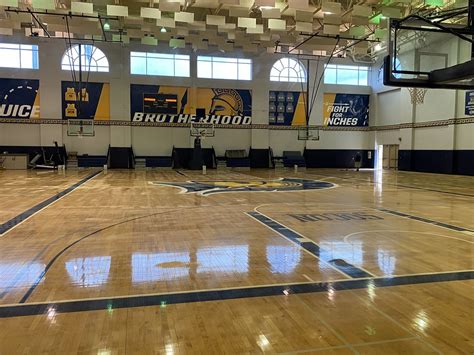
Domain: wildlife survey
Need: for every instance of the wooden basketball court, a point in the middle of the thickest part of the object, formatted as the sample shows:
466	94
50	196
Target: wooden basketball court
236	261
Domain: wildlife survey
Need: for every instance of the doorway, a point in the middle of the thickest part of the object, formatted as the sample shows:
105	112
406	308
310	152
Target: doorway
390	156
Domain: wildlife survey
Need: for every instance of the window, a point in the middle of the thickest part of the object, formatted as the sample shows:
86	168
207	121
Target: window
89	57
21	56
145	63
346	75
224	68
288	70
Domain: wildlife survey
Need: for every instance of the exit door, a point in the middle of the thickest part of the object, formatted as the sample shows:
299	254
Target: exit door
390	156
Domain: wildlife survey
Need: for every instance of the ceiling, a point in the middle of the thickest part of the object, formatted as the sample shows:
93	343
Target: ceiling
347	26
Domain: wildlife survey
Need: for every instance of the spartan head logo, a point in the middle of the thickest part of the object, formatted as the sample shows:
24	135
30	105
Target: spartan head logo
226	102
209	187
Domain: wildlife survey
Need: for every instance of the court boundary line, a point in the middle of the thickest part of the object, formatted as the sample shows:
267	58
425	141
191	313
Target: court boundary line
240	287
451	227
350	235
433	222
163	299
32	288
396	185
308	240
304	250
32	211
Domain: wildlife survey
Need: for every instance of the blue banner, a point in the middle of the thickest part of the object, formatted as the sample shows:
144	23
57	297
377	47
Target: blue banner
86	100
174	104
469	103
287	108
349	110
19	98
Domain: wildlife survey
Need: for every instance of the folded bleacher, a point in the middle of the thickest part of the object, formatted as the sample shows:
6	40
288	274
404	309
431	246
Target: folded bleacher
292	158
237	158
181	158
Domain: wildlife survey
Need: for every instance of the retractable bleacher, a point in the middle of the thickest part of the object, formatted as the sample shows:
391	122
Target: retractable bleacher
292	158
237	158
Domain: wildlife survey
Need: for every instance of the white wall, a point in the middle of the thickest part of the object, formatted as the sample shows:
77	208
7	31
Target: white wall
159	141
20	134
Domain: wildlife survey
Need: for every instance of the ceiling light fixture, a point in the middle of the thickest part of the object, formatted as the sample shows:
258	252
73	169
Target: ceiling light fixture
163	30
106	26
378	47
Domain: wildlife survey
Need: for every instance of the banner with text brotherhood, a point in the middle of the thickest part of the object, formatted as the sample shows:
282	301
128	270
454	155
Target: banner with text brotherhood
171	104
346	110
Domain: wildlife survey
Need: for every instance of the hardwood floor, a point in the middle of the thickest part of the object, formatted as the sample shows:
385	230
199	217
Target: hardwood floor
236	261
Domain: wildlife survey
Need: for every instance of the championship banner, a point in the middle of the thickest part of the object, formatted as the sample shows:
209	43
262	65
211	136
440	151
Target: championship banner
286	108
171	104
19	98
348	110
86	100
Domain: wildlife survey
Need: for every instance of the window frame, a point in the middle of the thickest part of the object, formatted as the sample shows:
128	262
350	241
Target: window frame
298	68
154	56
243	67
361	70
20	49
92	60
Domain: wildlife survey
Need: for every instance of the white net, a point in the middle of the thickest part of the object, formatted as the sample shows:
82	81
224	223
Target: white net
417	95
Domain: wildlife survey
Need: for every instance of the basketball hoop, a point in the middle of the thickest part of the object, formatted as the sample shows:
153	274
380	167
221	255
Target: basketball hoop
202	130
80	127
417	95
306	133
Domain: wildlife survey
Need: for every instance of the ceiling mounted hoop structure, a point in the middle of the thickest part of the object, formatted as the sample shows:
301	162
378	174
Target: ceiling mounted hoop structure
441	26
202	130
77	127
417	95
306	133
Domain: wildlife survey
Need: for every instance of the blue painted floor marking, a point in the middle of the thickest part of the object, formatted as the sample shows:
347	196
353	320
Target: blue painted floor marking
310	246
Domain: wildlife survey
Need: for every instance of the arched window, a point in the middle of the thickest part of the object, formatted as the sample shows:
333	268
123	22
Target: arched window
90	58
288	70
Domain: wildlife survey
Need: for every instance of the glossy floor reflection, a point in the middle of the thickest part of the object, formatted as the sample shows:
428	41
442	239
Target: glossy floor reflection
234	257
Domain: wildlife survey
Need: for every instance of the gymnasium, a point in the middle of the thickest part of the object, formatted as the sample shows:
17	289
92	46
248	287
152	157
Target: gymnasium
236	177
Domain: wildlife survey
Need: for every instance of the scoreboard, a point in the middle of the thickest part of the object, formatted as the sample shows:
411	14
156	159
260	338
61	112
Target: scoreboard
160	103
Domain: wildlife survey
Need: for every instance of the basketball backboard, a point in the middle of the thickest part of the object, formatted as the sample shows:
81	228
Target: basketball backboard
202	130
80	127
432	50
307	133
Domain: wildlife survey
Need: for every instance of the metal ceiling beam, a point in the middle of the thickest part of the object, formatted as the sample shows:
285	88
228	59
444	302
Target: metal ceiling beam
365	39
458	32
102	28
39	23
68	14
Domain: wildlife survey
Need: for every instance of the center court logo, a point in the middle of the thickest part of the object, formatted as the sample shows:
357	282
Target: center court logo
209	187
